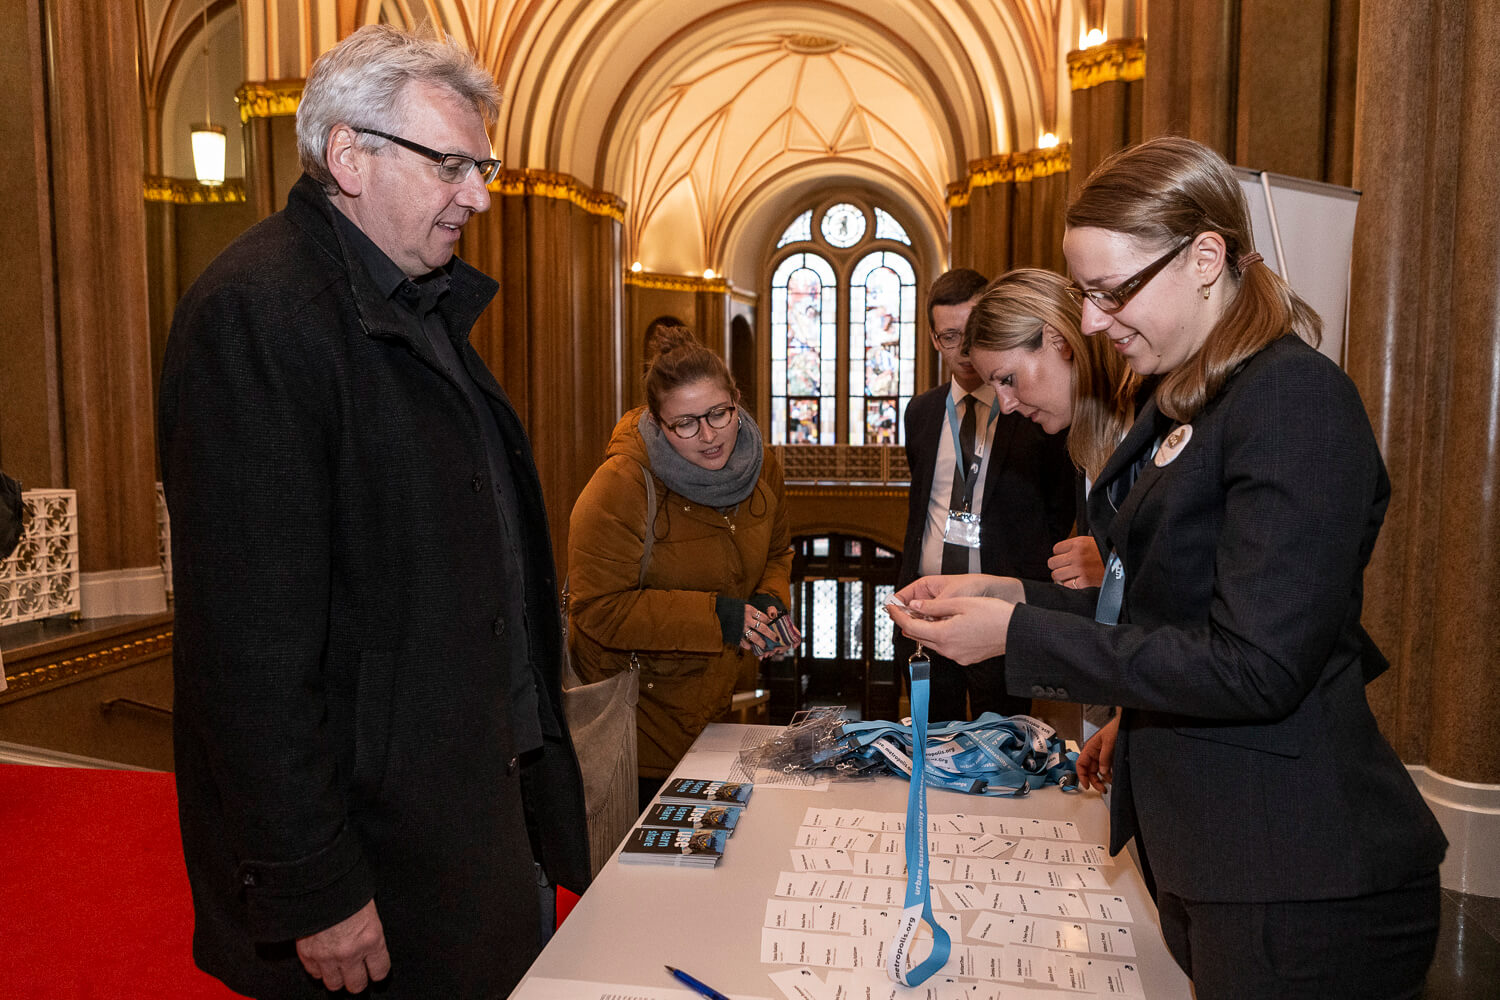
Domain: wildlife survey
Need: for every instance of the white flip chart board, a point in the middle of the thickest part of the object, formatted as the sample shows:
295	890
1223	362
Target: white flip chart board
1305	231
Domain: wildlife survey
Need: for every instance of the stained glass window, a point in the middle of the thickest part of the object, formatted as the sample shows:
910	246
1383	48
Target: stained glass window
887	228
882	346
843	330
854	620
825	619
799	231
843	225
885	646
804	350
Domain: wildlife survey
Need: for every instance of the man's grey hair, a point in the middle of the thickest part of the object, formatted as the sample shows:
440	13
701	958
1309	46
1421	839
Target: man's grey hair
362	82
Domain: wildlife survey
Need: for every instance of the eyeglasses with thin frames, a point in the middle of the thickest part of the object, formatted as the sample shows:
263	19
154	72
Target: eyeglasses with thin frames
1112	300
453	168
690	425
949	340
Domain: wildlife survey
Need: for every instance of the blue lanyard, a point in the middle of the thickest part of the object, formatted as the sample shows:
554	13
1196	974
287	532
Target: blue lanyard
918	879
1112	590
971	474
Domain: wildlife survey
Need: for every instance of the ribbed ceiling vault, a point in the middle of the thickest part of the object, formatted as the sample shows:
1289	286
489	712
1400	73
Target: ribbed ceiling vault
706	115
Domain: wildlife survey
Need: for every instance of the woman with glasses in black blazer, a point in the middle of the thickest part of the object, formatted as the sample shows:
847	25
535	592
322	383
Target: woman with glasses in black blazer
1292	855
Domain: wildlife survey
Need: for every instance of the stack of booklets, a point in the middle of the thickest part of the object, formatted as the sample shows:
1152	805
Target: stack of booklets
689	824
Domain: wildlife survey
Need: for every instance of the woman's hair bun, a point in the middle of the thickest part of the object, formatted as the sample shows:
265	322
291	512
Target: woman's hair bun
666	339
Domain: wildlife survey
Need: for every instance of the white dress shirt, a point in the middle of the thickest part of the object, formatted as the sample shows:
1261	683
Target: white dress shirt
947	467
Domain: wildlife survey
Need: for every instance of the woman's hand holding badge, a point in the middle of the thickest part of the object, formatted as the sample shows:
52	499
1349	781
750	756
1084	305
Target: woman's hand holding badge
965	617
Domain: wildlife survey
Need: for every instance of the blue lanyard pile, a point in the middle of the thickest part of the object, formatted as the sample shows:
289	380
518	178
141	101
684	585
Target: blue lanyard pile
993	755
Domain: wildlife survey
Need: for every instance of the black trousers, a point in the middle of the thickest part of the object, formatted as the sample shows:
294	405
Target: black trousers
1375	947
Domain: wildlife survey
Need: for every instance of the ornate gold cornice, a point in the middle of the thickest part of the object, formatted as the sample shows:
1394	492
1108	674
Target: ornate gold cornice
1008	167
97	662
180	191
268	98
1119	59
547	184
676	282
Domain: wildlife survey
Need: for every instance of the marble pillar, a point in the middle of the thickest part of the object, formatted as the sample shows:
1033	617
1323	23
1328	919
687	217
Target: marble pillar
103	330
1424	348
553	335
1267	83
1107	90
1009	211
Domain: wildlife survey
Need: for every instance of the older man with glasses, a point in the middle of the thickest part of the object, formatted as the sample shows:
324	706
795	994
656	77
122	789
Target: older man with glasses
373	778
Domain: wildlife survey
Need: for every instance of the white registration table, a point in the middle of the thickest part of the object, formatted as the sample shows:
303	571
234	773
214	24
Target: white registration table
638	918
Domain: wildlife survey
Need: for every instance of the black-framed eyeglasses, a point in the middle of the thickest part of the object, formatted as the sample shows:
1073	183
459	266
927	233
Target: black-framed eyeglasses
1112	300
452	167
949	340
688	426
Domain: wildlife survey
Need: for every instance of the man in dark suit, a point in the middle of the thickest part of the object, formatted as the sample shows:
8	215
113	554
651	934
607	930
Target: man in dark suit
373	777
990	493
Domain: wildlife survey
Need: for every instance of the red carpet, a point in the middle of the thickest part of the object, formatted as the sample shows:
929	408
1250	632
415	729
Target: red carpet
94	901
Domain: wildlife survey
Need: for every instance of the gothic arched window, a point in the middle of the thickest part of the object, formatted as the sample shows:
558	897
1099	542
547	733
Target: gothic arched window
804	351
843	327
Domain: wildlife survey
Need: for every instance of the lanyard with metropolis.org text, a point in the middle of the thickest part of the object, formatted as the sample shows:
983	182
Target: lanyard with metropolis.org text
918	909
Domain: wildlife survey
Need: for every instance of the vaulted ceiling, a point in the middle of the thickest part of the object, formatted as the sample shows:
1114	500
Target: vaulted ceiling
711	119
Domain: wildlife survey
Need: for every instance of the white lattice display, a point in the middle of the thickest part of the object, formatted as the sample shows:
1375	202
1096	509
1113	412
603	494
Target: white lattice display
40	578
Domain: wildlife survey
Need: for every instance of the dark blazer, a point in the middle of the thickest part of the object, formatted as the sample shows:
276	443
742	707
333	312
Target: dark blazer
1248	760
342	666
1028	490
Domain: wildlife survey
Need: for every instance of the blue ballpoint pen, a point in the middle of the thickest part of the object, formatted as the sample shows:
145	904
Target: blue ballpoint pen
702	989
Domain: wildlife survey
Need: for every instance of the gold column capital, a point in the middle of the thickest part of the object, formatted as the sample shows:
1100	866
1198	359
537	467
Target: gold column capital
676	282
1119	59
1005	168
182	191
549	184
268	98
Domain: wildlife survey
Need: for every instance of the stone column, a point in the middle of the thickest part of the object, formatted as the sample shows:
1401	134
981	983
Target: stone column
1009	212
104	344
553	336
1424	349
1423	346
31	431
1268	83
1108	87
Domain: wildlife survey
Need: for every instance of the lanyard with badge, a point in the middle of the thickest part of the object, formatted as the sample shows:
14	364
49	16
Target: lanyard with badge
963	525
1161	453
918	907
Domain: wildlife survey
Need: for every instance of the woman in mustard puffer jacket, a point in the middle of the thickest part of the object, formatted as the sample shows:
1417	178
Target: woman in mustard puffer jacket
720	560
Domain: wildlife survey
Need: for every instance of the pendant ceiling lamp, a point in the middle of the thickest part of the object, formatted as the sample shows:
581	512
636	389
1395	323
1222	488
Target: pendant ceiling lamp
209	140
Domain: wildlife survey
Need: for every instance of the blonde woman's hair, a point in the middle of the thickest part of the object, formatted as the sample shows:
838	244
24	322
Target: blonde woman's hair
1014	311
1165	191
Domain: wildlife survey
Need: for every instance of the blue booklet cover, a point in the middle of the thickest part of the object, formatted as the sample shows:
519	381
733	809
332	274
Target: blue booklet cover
680	816
690	848
698	791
